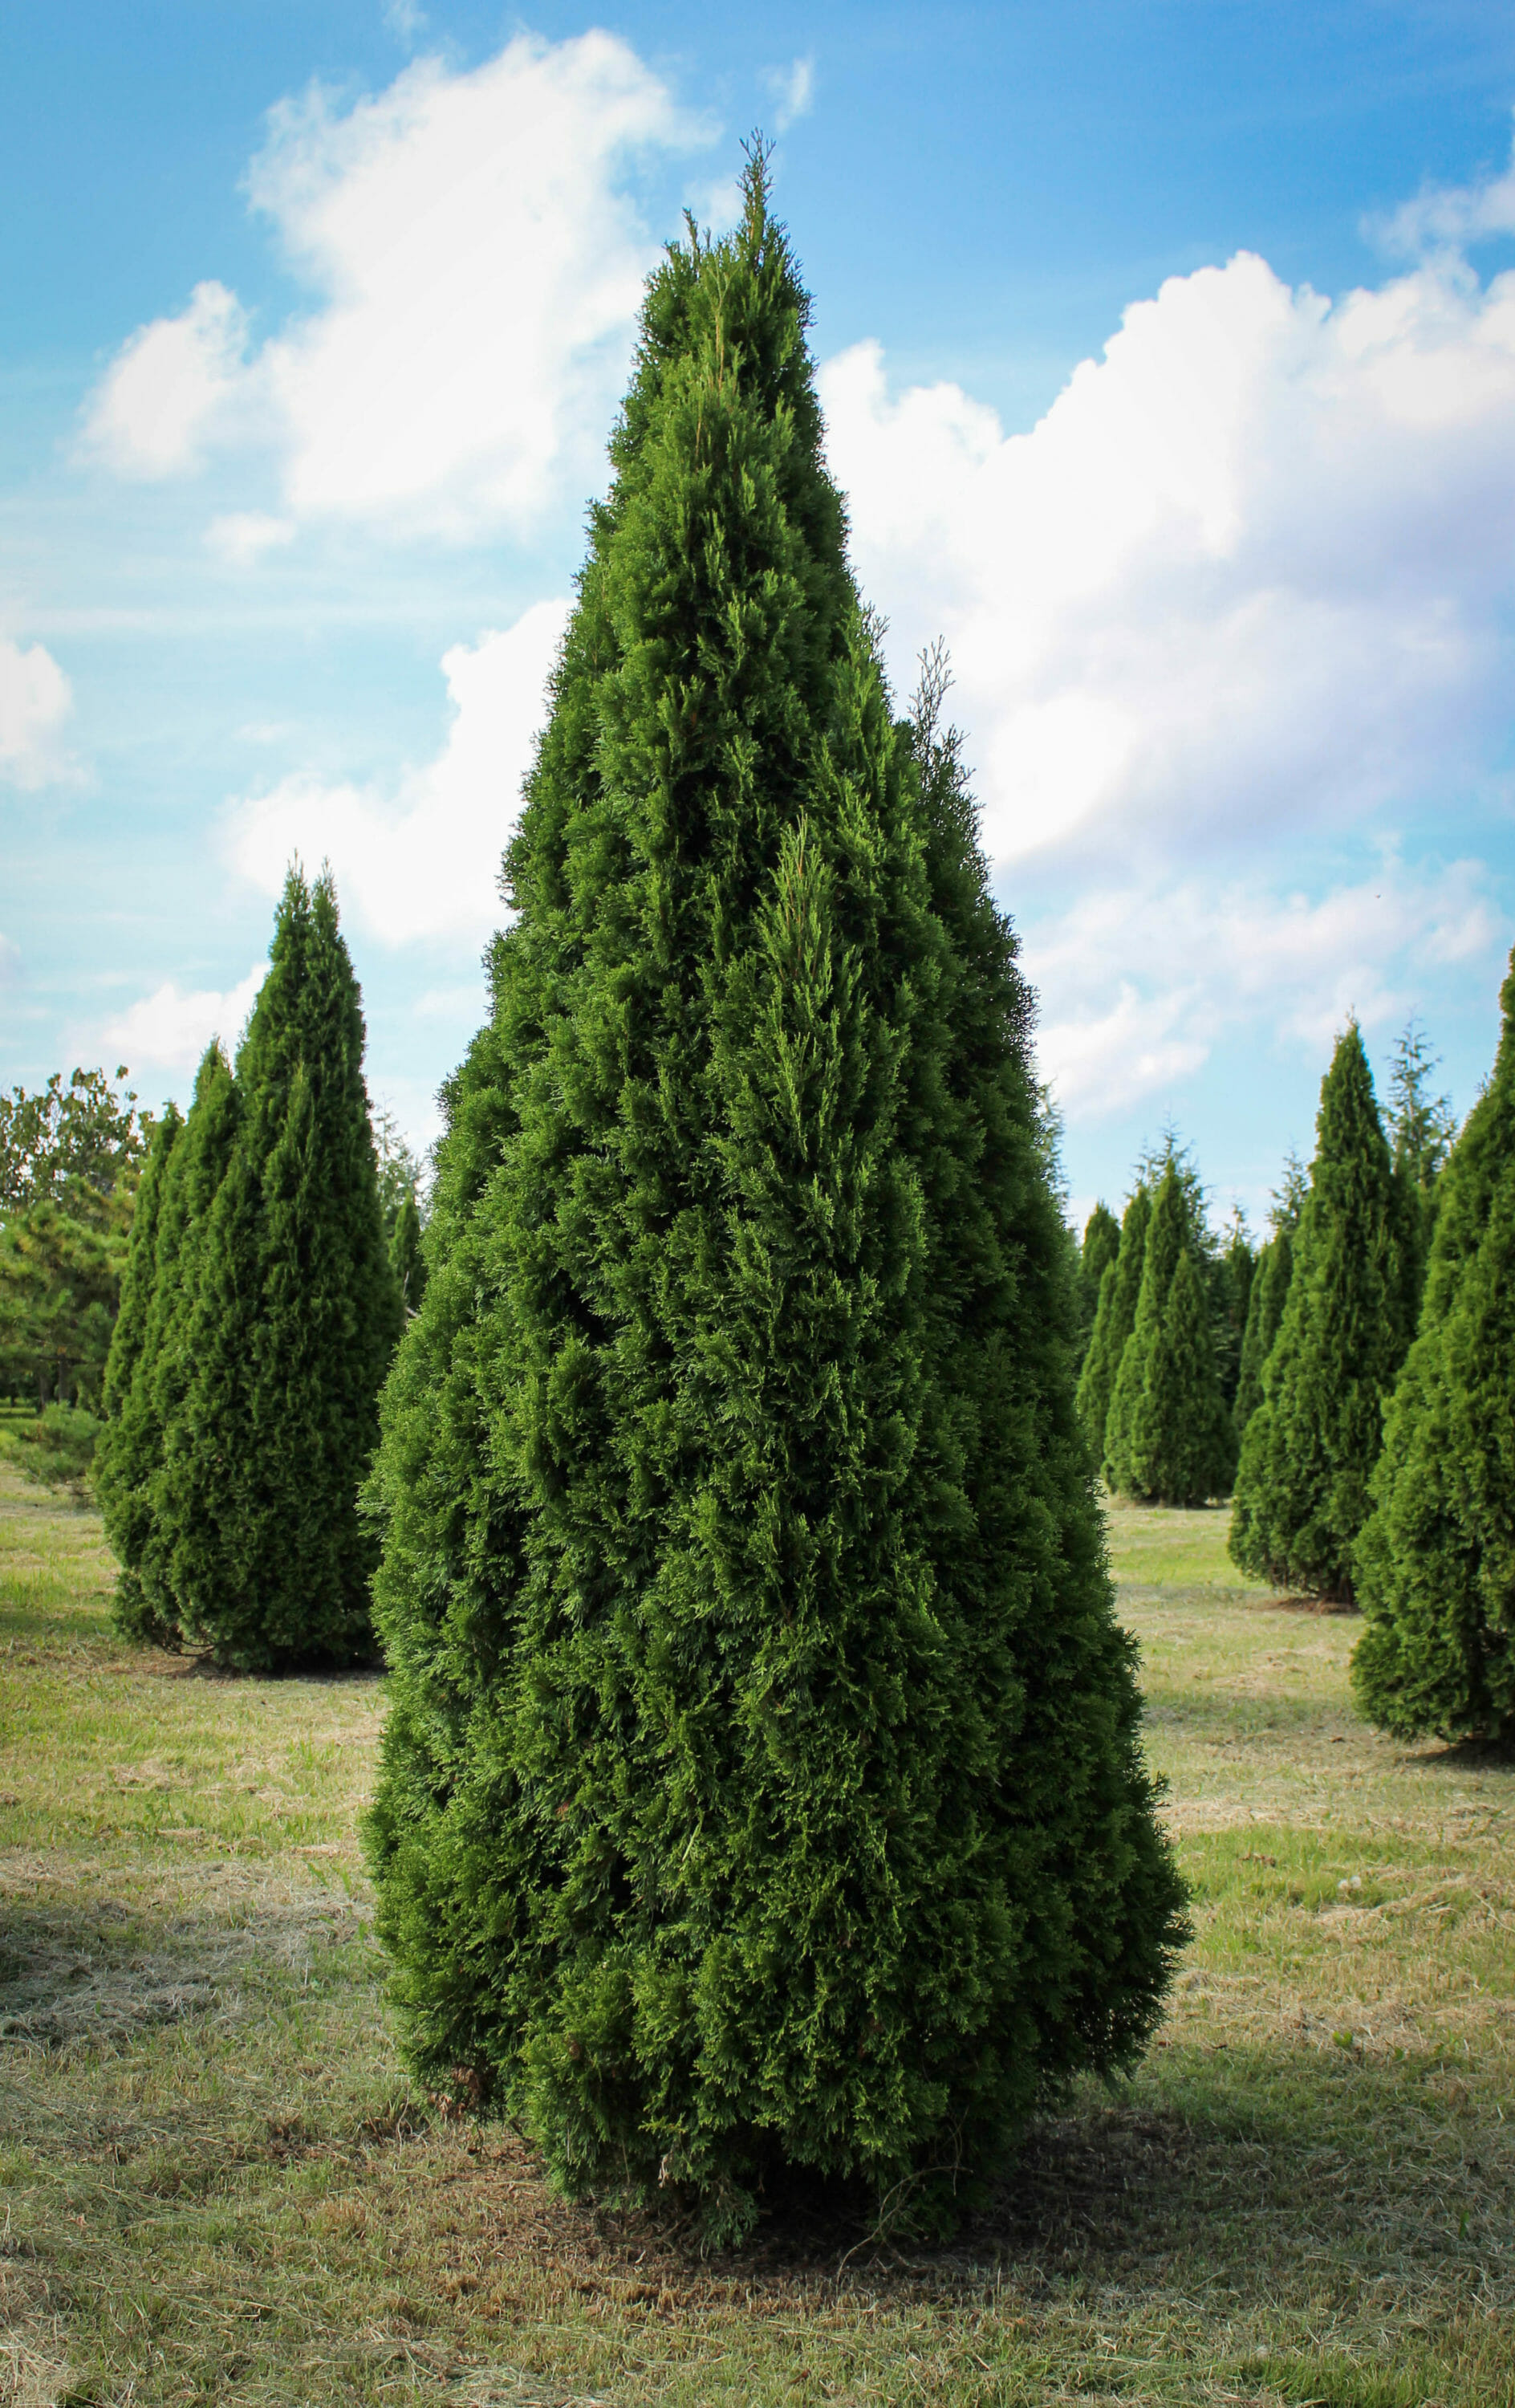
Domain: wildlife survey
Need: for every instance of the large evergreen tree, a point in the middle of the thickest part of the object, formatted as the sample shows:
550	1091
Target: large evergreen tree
1114	1319
1435	1562
1312	1441
294	1319
761	1784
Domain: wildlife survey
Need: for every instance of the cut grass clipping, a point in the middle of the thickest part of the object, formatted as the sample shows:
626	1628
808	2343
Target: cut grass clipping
217	2184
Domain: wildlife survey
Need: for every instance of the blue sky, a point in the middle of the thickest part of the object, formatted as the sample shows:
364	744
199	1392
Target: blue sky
1168	357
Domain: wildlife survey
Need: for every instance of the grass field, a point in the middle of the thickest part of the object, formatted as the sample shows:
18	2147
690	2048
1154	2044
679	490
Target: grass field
217	2184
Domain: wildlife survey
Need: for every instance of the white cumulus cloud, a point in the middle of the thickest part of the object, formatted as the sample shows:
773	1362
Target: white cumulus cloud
1452	217
1140	983
475	262
177	387
170	1028
36	699
422	860
1248	576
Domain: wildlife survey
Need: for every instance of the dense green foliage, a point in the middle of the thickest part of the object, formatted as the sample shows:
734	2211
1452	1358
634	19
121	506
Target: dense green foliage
259	1313
1114	1320
1167	1436
1311	1444
1264	1317
290	1327
1435	1562
146	1377
762	1784
1101	1245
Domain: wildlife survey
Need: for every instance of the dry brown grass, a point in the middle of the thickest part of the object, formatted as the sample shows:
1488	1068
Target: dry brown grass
215	2182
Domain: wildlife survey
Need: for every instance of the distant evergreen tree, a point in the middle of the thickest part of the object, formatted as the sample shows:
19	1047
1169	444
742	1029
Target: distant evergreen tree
294	1318
1115	1317
1234	1269
149	1391
761	1785
1162	1438
1178	1449
1312	1441
123	1467
1101	1245
1421	1129
1264	1315
1435	1562
406	1260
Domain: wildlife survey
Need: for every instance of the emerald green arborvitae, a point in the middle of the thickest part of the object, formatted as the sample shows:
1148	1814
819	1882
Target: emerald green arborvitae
1114	1319
762	1784
1264	1316
138	1512
125	1456
294	1319
1101	1245
1167	1436
1435	1562
1232	1272
1302	1485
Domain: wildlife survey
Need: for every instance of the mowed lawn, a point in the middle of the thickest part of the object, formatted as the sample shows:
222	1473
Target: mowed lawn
215	2182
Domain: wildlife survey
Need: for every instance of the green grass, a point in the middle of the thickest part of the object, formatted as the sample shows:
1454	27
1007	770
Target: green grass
217	2184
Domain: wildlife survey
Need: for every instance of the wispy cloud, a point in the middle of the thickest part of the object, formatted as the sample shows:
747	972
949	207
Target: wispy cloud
792	91
1450	218
35	701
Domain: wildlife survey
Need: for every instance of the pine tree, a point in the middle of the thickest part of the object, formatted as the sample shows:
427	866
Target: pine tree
761	1786
1301	1495
294	1318
1114	1319
1101	1245
1436	1561
1163	1440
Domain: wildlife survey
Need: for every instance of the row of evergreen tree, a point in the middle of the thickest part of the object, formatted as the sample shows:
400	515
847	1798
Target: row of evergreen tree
1178	1323
1372	1425
260	1307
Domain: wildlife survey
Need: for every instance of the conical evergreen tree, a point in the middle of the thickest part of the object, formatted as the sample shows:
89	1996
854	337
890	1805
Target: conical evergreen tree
139	1516
406	1260
1312	1442
1264	1316
1162	1438
1114	1320
1101	1245
294	1319
1435	1562
1232	1272
1179	1445
125	1454
1166	1231
761	1785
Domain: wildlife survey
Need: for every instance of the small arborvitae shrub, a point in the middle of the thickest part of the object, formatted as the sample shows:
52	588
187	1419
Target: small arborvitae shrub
293	1319
761	1787
1114	1319
1436	1563
1301	1485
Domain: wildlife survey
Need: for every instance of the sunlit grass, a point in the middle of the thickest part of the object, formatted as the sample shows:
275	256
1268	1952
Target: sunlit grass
215	2182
